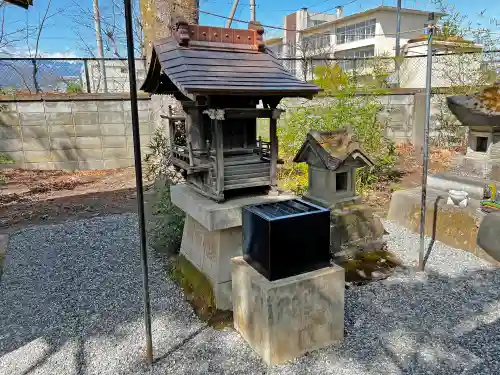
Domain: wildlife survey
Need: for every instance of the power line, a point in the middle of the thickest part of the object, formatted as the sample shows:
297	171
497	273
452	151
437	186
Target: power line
295	30
352	1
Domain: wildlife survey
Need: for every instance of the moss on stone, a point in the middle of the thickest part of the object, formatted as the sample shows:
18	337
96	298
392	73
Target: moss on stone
199	293
352	225
369	266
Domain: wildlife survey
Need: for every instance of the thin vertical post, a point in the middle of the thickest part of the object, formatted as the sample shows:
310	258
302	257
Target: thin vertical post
138	179
252	10
87	75
273	137
219	155
428	83
100	49
398	39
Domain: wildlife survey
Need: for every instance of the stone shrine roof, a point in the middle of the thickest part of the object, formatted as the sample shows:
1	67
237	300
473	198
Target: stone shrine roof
480	109
201	61
331	150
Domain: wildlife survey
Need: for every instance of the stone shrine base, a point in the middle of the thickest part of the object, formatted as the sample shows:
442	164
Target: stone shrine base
286	318
212	235
456	227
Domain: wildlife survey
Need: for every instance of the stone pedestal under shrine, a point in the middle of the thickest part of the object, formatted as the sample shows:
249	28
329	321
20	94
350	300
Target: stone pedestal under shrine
212	235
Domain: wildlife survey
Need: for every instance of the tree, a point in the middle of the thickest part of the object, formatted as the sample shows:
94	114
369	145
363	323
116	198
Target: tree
8	39
157	18
307	53
34	50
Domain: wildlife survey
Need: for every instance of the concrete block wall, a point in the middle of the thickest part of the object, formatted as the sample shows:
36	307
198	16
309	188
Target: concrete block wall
75	133
397	113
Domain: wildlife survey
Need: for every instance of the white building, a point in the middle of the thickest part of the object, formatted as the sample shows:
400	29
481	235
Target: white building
364	34
116	73
453	64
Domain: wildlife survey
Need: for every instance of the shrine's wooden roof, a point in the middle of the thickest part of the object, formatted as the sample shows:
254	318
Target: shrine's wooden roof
22	3
200	60
331	150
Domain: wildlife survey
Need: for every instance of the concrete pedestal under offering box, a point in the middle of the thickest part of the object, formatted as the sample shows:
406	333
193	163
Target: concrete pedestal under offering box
286	318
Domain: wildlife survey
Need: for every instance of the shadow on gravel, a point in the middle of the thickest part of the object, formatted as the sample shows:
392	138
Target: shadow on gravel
71	303
440	325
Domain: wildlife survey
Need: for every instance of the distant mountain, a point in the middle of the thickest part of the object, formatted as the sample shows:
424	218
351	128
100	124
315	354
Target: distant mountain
51	76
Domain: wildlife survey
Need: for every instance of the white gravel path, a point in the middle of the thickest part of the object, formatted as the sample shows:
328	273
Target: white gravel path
70	303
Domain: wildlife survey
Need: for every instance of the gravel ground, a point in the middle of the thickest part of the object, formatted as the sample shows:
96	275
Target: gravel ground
70	303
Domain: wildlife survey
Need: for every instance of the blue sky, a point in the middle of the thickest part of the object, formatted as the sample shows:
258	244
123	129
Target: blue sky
68	32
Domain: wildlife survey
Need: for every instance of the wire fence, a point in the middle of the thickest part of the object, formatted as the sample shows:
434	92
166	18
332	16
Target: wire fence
448	69
82	75
86	75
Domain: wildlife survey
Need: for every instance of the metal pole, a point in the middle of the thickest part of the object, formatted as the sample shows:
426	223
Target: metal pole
428	83
398	40
87	75
138	178
398	28
231	15
252	10
100	50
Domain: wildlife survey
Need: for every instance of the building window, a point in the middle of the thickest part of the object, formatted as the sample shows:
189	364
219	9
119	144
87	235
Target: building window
355	58
358	31
481	144
313	23
341	181
315	42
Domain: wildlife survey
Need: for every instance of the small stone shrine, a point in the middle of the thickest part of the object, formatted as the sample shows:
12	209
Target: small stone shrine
474	175
220	76
481	114
332	158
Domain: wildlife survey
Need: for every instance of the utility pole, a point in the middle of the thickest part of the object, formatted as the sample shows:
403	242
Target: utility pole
231	15
252	10
100	50
398	40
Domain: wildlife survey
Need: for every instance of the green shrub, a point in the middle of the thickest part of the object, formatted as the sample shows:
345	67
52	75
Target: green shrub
74	88
4	159
166	223
342	108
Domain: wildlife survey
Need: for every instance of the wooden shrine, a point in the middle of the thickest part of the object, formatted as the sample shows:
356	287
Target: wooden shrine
220	75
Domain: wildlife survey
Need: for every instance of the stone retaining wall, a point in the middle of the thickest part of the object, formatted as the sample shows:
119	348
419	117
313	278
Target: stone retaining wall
72	132
94	131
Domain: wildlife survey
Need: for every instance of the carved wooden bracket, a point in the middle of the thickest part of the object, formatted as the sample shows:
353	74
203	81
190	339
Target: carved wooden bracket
215	114
259	37
180	31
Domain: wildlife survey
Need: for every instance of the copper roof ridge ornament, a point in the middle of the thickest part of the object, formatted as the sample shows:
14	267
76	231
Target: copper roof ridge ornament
180	31
259	34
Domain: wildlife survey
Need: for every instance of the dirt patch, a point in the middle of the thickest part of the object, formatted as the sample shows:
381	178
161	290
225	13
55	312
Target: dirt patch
407	174
32	197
